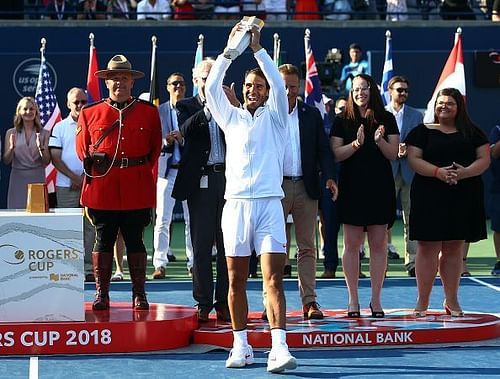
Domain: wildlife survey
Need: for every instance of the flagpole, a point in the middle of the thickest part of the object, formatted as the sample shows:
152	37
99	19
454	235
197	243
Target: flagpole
91	38
277	47
458	33
153	53
43	42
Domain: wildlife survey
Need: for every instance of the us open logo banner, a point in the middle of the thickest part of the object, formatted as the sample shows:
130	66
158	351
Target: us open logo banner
25	76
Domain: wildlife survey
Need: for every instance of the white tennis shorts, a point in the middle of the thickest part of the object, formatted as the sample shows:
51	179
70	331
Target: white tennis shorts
249	224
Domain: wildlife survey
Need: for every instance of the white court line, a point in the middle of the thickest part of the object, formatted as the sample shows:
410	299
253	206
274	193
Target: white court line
485	284
33	368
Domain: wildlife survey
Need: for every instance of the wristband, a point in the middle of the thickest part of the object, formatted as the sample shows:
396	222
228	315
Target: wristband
435	172
355	145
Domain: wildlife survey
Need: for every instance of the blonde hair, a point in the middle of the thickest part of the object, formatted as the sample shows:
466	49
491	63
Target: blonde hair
205	64
18	120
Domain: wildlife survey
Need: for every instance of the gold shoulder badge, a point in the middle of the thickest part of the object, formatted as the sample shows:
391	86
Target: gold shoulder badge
78	129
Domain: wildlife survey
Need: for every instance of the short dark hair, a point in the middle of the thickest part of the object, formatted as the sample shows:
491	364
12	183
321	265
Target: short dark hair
257	71
174	74
356	46
398	79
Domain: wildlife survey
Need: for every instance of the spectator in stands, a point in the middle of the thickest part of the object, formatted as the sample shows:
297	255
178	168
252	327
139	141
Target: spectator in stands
26	149
121	9
183	10
495	13
254	8
203	9
153	10
69	167
336	10
306	10
91	10
495	194
396	10
227	9
59	10
355	67
277	10
364	9
456	10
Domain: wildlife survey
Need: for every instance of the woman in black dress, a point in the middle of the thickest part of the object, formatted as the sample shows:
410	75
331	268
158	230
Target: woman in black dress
364	141
447	206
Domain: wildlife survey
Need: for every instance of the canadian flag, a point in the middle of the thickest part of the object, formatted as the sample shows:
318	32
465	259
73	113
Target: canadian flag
452	76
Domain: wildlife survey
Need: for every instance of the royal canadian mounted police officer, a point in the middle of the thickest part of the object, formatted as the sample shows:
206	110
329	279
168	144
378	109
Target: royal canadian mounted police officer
119	140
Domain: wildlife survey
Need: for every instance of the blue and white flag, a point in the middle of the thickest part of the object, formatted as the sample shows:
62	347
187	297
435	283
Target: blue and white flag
197	59
388	72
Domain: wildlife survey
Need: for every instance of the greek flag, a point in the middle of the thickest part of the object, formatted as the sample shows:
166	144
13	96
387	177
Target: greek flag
388	72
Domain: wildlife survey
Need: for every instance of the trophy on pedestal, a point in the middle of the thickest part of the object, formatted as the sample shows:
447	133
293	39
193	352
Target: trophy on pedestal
241	39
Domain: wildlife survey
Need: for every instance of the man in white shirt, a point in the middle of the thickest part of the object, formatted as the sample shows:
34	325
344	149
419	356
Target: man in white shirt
252	218
153	10
70	168
168	164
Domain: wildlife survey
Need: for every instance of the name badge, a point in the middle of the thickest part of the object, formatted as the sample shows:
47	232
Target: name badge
204	181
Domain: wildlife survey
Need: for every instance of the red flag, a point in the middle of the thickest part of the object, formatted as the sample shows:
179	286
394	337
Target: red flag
93	86
452	76
49	110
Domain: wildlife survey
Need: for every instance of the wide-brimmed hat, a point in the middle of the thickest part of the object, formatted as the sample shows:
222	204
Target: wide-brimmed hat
119	63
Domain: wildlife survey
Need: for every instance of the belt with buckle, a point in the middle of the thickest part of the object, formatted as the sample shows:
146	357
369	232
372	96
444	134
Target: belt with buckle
293	178
217	167
125	162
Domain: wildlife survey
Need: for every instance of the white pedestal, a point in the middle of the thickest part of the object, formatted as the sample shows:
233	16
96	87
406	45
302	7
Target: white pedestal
41	266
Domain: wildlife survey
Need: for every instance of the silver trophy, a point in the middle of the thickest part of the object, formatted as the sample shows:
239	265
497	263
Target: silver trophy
241	39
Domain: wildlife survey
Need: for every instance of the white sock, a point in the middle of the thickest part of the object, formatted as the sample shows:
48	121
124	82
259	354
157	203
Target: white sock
240	338
278	337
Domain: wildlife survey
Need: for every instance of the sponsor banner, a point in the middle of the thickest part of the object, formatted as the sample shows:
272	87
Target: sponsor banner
41	266
119	330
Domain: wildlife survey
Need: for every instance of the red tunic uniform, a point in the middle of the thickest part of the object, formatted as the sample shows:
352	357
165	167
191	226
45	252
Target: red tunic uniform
122	188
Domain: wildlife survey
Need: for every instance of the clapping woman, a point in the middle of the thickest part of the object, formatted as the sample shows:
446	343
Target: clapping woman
26	148
447	206
364	140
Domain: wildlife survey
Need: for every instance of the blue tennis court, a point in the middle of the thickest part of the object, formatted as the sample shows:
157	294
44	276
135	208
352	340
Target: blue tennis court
474	359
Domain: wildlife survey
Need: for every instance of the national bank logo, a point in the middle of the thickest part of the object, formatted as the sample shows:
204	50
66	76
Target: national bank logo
25	76
12	254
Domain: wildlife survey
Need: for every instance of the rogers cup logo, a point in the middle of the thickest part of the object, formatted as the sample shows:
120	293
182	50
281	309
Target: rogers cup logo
25	76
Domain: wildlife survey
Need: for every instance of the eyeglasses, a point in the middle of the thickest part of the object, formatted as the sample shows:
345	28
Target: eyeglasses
360	89
204	79
401	90
177	83
448	104
82	102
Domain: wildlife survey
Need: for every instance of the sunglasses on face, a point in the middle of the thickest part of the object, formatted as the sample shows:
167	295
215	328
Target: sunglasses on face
401	90
177	83
82	102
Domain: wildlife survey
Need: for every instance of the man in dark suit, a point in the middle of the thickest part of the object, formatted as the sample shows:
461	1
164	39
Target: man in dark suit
201	180
407	118
306	154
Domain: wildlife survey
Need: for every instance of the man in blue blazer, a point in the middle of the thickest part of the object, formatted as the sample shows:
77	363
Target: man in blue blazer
306	155
407	118
168	164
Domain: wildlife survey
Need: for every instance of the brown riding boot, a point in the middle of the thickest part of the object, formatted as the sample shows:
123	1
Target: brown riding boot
103	267
137	267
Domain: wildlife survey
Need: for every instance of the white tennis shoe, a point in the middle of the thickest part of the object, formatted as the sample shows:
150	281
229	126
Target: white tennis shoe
240	357
280	359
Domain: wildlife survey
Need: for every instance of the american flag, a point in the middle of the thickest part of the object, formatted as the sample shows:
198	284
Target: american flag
388	72
313	93
49	113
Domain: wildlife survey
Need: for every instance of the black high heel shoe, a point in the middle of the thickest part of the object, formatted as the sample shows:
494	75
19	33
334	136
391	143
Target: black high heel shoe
353	314
377	314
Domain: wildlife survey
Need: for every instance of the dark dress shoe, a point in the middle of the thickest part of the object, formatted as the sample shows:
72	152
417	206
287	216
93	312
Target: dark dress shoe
171	257
312	312
411	272
203	314
287	271
159	273
328	274
264	315
223	314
